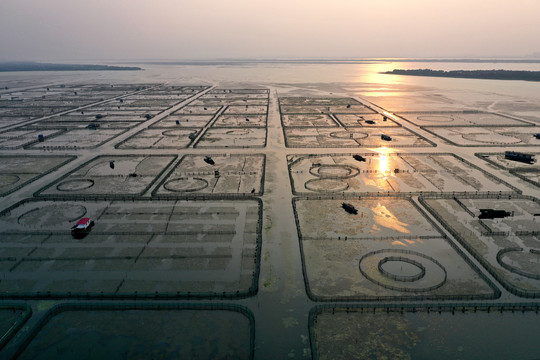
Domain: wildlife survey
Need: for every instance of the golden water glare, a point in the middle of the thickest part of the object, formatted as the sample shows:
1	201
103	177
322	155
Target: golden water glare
385	218
384	161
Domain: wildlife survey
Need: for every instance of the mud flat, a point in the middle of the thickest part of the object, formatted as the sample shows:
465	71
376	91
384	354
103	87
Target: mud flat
330	105
246	110
364	333
18	170
532	176
236	199
352	137
210	122
365	120
317	101
241	175
159	139
88	127
529	172
89	116
12	120
388	250
77	138
151	101
83	124
487	136
136	249
126	175
508	247
334	109
341	122
221	137
32	112
18	138
185	331
243	121
235	100
189	121
48	100
235	97
389	172
198	110
308	120
182	137
461	118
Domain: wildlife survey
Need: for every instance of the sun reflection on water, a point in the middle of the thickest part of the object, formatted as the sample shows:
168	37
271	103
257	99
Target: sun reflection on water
385	218
383	164
406	242
374	74
384	161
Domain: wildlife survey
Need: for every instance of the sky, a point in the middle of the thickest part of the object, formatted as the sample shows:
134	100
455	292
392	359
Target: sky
70	30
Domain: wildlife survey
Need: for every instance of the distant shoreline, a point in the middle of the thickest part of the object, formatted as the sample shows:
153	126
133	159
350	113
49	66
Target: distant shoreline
34	66
472	74
337	61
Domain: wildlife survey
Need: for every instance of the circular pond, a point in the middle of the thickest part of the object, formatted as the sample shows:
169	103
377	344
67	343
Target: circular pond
185	184
402	270
74	185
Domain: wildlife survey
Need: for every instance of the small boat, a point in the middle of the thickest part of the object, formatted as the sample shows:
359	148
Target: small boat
82	227
493	214
209	160
349	208
521	157
359	158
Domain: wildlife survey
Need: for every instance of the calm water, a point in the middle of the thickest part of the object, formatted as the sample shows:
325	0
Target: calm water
428	336
263	73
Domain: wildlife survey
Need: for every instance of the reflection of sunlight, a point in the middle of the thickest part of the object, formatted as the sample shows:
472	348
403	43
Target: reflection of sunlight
384	165
405	244
373	83
385	218
371	74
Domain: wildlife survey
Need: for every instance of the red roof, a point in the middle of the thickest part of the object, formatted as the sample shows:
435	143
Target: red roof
83	221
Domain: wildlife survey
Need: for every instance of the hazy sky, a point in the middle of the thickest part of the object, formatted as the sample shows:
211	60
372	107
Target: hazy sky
198	29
